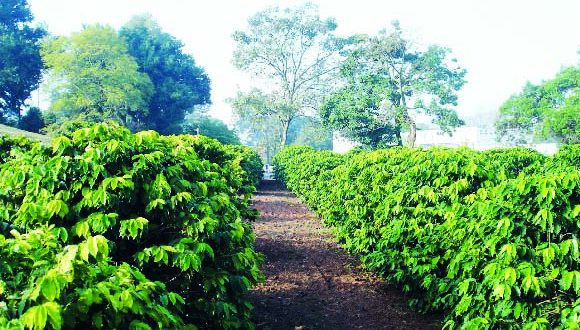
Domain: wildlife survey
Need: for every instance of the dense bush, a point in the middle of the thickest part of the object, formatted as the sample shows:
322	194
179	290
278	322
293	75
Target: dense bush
286	158
11	147
250	162
240	165
568	155
115	230
489	238
515	160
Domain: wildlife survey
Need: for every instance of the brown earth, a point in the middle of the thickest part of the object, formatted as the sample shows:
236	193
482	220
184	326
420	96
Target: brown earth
311	283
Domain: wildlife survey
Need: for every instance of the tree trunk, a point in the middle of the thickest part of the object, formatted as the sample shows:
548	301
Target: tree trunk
412	133
398	137
412	125
284	135
406	117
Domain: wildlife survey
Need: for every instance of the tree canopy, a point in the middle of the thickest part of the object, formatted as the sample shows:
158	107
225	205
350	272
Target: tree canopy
20	61
309	131
262	130
211	127
179	84
32	121
550	110
93	74
292	54
259	130
387	83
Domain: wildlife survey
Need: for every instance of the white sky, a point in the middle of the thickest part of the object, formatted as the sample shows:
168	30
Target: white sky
502	44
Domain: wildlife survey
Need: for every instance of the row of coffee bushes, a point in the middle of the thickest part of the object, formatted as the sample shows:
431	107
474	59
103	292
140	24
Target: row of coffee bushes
250	161
113	230
12	146
488	238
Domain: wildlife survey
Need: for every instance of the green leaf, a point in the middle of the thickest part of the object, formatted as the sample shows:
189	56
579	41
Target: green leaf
84	251
35	317
49	288
54	314
93	246
510	275
566	280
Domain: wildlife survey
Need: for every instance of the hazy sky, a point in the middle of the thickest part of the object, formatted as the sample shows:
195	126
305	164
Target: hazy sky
502	44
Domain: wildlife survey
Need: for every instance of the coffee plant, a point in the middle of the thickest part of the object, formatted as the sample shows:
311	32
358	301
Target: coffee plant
249	161
488	238
113	230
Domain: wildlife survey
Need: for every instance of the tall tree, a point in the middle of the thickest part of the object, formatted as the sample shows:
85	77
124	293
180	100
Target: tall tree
20	62
179	83
292	54
387	83
92	74
256	127
548	110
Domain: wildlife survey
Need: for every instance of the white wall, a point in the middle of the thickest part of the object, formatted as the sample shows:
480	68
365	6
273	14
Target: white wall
468	136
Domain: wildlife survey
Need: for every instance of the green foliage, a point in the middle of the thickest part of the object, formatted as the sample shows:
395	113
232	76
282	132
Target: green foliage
238	167
287	158
21	65
93	74
310	131
568	155
179	84
515	160
113	230
66	126
32	121
387	83
488	238
548	110
211	127
249	161
11	147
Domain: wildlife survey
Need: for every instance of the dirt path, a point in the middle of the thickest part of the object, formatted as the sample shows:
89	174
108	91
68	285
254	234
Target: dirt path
310	282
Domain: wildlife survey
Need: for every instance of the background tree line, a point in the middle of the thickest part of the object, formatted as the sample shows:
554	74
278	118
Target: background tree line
138	76
549	110
307	82
373	89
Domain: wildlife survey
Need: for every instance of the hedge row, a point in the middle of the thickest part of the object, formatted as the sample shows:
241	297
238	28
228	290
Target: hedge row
488	238
113	230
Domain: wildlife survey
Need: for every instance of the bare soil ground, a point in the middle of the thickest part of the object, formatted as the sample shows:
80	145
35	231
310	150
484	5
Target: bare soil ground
311	283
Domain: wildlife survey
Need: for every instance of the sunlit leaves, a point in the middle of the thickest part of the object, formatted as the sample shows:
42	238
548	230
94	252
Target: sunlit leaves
97	59
37	317
133	227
